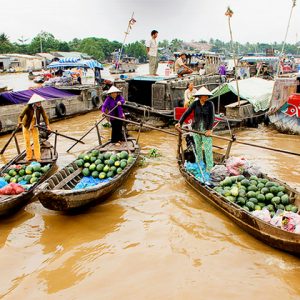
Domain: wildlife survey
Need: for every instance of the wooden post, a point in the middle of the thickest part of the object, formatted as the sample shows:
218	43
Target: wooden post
98	134
55	141
139	133
17	144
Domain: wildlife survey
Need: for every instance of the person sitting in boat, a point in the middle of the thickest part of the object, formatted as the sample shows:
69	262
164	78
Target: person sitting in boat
29	118
113	104
204	115
189	94
180	67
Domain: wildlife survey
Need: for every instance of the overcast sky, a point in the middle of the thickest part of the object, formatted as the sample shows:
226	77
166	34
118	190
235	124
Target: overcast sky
253	20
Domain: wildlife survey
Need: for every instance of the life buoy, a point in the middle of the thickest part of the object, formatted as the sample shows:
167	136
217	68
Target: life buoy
95	101
60	110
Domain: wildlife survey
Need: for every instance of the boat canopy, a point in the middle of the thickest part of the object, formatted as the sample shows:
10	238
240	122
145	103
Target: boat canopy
255	59
73	62
22	97
255	90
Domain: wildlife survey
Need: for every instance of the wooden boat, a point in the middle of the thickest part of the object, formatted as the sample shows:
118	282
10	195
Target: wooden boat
267	233
284	112
57	192
11	203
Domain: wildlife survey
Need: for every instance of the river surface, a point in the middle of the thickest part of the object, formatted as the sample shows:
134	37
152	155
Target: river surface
20	81
154	238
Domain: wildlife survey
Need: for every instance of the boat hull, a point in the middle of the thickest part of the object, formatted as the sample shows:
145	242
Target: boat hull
285	123
72	200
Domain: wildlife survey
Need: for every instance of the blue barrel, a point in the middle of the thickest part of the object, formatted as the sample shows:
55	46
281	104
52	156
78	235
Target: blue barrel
123	76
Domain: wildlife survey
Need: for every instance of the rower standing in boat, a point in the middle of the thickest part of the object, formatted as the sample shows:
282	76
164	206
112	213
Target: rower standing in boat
112	100
30	117
204	114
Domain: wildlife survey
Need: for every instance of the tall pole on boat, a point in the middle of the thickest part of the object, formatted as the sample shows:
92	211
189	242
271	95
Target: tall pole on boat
286	33
130	23
229	14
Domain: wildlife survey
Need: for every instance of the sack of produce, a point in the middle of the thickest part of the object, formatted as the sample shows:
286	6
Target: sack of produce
262	215
218	173
235	165
12	189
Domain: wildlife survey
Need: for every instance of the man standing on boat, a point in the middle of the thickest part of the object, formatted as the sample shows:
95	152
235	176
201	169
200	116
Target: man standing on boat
204	115
113	104
29	118
180	67
152	53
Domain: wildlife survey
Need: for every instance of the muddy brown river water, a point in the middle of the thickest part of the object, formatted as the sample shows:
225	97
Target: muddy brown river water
154	238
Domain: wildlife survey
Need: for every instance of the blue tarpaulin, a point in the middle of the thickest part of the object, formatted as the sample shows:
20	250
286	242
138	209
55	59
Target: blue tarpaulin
75	63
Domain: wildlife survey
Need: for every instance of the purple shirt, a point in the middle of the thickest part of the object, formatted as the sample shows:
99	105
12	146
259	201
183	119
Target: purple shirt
110	103
222	70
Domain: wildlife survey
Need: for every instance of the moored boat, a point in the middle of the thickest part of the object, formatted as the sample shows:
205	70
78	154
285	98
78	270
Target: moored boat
11	203
284	112
60	191
264	231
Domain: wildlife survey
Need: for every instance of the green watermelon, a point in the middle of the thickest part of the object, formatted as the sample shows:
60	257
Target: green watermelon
95	174
86	172
99	167
79	162
102	175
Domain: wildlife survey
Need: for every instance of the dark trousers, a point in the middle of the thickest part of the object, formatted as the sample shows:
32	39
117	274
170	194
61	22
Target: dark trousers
116	131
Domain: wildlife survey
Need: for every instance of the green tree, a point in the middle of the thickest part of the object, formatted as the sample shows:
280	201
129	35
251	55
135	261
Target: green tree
5	45
176	45
136	49
44	42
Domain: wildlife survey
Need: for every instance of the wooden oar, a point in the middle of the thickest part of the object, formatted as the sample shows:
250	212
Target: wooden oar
59	134
9	140
151	127
92	128
144	125
235	140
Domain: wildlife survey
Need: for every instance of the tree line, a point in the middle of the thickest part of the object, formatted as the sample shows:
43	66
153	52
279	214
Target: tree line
101	48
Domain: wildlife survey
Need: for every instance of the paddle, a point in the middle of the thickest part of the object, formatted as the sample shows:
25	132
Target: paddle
234	139
92	128
9	140
59	134
151	127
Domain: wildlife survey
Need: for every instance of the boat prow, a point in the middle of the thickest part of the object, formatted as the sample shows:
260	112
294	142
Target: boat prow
11	203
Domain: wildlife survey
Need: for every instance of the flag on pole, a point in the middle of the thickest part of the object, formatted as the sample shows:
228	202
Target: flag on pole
131	22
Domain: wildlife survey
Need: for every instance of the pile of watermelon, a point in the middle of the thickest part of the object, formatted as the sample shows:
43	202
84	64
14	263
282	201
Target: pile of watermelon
103	165
255	194
25	174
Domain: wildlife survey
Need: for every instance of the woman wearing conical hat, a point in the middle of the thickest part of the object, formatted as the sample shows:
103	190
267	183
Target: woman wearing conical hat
30	117
113	104
204	115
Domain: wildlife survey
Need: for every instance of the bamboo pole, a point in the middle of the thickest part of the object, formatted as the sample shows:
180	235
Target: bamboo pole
286	34
126	33
235	140
229	14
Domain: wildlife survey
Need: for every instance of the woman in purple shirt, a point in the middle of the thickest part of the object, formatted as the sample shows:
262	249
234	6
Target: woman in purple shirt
113	104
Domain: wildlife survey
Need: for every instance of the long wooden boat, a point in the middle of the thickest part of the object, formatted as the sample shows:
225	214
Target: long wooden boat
57	192
267	233
11	203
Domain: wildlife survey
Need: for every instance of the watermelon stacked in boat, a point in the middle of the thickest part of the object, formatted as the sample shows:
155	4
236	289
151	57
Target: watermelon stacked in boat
103	164
256	194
